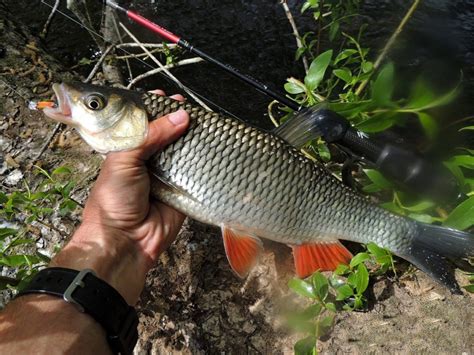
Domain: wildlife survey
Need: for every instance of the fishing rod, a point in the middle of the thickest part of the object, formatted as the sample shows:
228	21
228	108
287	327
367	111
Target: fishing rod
406	168
163	32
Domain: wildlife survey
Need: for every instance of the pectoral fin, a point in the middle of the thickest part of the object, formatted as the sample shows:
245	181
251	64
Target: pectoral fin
242	250
325	256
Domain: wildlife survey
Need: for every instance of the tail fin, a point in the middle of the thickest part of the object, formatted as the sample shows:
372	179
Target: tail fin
432	248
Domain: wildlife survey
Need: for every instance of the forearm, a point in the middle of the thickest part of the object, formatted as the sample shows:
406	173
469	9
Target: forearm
46	323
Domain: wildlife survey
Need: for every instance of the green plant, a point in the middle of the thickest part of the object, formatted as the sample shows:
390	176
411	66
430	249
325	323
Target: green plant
352	85
343	290
348	82
18	251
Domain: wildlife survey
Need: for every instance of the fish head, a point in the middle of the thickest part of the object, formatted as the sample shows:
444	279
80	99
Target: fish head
108	119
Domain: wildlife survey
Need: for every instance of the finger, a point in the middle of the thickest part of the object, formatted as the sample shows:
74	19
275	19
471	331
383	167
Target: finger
163	131
157	92
178	97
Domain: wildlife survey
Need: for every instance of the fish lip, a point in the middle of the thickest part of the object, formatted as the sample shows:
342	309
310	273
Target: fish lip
62	112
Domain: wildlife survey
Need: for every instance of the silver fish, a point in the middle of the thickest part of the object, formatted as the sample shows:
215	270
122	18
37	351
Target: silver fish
253	184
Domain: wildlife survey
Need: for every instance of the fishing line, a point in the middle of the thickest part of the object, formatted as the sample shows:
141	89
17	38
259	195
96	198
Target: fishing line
17	93
142	61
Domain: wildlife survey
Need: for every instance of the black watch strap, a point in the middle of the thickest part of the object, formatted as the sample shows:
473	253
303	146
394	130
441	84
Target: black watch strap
94	297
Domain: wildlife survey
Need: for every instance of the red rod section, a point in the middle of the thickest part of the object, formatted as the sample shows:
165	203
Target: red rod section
163	32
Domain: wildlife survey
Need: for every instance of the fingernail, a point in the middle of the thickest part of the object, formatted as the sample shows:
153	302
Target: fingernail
177	118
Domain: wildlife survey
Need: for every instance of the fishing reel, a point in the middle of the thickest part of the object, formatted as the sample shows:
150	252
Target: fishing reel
405	168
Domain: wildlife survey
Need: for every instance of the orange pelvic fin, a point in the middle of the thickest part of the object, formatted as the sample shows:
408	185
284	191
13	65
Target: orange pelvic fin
242	250
325	256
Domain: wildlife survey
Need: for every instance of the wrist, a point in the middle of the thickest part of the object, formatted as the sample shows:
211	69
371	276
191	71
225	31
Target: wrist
111	254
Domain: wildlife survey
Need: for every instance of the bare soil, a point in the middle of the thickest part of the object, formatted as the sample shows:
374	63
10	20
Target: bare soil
192	302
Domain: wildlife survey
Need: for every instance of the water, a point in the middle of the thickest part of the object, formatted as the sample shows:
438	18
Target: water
256	38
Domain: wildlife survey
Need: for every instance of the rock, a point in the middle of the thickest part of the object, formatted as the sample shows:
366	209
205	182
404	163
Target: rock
14	177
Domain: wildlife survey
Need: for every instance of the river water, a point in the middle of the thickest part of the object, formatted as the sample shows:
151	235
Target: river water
255	37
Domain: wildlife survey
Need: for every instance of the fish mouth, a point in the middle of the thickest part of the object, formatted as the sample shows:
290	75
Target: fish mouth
62	111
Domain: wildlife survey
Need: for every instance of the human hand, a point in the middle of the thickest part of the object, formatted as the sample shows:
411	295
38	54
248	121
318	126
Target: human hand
123	230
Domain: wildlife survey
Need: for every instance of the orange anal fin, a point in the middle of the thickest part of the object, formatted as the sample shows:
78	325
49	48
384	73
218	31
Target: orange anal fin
242	250
325	256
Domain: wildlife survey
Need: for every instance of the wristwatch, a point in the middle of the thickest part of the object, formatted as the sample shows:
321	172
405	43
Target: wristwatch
93	296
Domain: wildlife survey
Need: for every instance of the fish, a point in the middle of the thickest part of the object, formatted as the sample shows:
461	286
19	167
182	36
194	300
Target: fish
254	184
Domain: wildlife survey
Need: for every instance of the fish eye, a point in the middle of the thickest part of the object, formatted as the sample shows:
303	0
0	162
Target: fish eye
95	102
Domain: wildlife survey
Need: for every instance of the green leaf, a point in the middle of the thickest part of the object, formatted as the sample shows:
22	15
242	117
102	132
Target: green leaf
344	292
469	288
421	206
367	67
422	217
66	190
301	287
341	269
382	89
371	188
333	30
317	70
311	311
20	241
466	161
377	123
358	302
320	285
423	98
359	258
299	52
67	206
309	3
61	170
429	124
343	74
346	53
375	250
462	216
85	61
7	232
362	279
350	109
331	307
468	128
378	179
13	260
421	95
294	86
393	207
323	151
306	346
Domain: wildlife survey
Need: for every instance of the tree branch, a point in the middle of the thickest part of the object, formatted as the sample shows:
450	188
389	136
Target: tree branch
299	44
389	44
172	77
168	66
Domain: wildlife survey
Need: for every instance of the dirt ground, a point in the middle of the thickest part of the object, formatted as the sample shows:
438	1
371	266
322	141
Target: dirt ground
192	302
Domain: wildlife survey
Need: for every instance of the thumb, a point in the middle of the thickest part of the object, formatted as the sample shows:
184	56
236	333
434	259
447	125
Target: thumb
163	131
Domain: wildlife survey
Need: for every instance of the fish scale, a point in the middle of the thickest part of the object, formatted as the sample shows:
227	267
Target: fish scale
236	175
